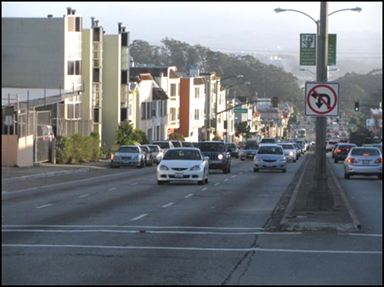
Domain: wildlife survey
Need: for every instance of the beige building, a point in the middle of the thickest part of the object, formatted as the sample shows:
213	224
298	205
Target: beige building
115	77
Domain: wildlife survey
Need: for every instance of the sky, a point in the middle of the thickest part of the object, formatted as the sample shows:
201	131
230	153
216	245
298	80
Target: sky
232	27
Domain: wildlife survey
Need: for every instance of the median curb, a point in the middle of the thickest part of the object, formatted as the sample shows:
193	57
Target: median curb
298	217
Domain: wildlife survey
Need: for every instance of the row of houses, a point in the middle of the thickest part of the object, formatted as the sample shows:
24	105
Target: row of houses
78	80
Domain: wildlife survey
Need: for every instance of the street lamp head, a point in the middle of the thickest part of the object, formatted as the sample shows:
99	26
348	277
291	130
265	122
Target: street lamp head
240	76
278	10
357	9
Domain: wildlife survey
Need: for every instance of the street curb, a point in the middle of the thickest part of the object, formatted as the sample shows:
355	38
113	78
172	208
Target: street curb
288	211
356	222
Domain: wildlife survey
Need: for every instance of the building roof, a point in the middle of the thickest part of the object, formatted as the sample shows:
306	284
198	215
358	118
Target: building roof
158	94
173	75
146	77
199	81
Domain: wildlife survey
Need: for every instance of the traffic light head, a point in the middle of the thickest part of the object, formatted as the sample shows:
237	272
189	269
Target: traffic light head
357	106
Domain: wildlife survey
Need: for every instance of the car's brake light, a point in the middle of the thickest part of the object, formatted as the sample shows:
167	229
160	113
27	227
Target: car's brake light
365	154
379	160
351	160
339	150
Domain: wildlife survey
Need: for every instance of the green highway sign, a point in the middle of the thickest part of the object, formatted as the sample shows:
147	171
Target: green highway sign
241	111
331	49
307	49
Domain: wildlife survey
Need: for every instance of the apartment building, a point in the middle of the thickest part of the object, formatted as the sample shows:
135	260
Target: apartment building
192	103
167	79
92	59
115	79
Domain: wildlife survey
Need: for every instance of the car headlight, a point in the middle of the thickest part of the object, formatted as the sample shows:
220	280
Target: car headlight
291	153
163	167
196	167
220	156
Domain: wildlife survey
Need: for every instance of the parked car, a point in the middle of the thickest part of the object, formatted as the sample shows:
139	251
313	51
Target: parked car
270	157
298	149
233	149
148	155
304	144
157	153
183	164
187	144
363	161
219	158
128	155
341	151
289	151
249	150
164	145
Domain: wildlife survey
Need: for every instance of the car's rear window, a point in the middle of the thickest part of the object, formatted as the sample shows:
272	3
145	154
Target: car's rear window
154	148
182	155
128	149
365	151
268	141
163	144
214	147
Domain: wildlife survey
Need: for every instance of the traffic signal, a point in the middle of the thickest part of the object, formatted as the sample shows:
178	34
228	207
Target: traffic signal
275	102
357	106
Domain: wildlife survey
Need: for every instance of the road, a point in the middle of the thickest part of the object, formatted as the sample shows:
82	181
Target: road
117	227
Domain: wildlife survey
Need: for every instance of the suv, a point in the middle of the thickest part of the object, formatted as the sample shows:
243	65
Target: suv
219	158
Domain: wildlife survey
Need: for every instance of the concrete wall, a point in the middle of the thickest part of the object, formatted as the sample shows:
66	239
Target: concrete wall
20	153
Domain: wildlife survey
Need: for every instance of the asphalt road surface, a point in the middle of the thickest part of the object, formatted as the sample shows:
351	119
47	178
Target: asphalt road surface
115	227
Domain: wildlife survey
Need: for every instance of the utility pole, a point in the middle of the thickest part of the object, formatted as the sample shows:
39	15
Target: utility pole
321	77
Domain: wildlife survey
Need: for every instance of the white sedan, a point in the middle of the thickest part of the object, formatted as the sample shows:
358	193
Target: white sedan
183	164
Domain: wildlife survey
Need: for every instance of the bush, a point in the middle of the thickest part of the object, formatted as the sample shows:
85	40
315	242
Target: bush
176	136
217	138
63	149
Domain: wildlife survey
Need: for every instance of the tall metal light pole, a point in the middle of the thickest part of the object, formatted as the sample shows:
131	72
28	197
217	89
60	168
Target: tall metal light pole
321	76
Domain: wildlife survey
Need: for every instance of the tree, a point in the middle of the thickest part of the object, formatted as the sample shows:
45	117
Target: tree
127	135
243	128
176	136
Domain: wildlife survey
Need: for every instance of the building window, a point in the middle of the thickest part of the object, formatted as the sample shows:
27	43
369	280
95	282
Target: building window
73	111
148	111
124	77
154	105
96	34
123	114
78	24
124	39
197	114
96	116
96	75
197	93
74	68
143	111
173	115
173	90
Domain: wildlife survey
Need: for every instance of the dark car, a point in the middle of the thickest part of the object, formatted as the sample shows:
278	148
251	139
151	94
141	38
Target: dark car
233	149
148	155
219	158
249	151
341	151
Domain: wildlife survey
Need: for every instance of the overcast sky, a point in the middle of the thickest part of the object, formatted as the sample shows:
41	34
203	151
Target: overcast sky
231	26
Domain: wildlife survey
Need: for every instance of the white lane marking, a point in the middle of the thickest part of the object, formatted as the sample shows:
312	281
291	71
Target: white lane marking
134	184
226	179
233	176
205	188
45	205
189	195
217	183
145	231
168	204
133	226
70	182
113	188
139	217
85	195
362	234
349	252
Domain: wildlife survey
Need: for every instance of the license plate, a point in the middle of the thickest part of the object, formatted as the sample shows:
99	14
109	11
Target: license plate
179	175
365	161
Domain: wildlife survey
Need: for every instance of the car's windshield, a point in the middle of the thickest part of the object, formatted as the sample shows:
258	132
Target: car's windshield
268	141
270	150
163	144
287	146
153	148
187	144
128	149
365	151
215	147
176	144
182	155
144	148
251	146
230	145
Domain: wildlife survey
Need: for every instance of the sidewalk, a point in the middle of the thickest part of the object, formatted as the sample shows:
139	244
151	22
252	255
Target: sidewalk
49	169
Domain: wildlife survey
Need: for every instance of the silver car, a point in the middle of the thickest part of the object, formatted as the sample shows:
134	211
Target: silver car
363	161
289	151
270	157
128	155
157	153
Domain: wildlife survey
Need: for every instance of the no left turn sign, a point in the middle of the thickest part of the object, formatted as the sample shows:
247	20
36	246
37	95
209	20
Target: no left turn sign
321	99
